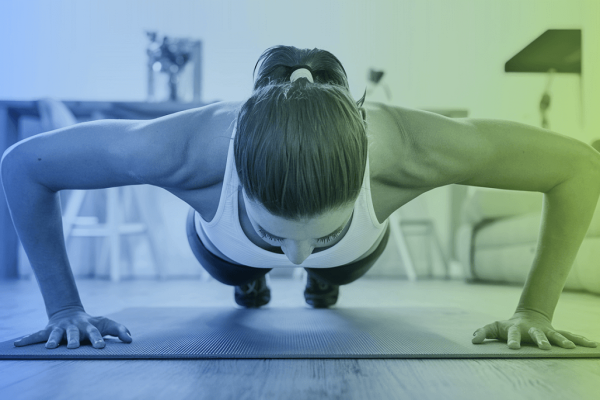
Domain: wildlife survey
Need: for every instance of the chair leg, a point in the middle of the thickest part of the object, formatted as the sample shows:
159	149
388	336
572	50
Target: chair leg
126	202
151	236
113	221
104	255
396	231
440	251
72	211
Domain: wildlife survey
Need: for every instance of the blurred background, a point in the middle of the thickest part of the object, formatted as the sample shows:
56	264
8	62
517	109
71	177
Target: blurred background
70	61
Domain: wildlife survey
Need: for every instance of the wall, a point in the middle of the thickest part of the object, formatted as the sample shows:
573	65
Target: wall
436	54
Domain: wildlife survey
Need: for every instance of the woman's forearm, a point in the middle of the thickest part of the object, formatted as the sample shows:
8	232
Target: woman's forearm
36	215
566	216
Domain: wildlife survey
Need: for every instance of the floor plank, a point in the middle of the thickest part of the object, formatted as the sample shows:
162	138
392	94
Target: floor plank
305	379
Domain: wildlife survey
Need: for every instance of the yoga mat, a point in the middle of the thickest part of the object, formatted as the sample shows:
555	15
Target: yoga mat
209	333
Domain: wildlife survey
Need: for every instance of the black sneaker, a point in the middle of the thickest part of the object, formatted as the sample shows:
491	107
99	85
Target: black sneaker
320	294
254	294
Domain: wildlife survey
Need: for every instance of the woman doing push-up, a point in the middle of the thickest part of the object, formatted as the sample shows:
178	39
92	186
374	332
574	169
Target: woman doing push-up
299	175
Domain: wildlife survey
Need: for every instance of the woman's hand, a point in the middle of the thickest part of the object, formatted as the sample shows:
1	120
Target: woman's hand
531	327
77	325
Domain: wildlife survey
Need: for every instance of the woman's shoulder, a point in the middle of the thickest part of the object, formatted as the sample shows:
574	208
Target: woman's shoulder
395	117
391	141
416	144
391	124
216	115
194	145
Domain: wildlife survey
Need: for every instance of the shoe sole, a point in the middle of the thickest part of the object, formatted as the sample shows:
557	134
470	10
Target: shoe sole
253	302
320	301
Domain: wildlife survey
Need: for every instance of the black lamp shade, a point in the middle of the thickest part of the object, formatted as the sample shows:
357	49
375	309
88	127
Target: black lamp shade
556	48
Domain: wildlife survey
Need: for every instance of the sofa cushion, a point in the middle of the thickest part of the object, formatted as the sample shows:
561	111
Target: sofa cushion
520	229
485	203
508	231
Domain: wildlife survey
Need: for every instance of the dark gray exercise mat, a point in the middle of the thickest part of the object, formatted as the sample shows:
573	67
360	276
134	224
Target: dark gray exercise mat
208	333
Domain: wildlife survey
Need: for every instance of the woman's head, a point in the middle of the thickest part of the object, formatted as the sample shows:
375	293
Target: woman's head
301	147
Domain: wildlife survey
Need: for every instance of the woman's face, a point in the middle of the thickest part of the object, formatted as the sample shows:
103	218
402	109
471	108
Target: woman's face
298	239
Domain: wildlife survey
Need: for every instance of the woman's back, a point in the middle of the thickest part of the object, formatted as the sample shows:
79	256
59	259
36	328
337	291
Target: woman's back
203	192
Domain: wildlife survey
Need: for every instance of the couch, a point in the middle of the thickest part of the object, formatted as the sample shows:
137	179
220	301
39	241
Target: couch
498	234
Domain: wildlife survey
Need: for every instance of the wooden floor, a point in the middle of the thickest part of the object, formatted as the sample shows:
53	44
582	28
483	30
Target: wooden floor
22	312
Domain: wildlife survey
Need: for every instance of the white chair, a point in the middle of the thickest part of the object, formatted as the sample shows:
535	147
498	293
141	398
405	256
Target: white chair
397	236
118	199
55	115
422	227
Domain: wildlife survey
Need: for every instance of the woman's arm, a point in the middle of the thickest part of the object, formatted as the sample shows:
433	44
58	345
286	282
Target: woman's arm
514	156
36	215
91	155
83	156
521	157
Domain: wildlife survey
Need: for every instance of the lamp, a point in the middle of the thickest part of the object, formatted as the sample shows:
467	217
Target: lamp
374	79
554	51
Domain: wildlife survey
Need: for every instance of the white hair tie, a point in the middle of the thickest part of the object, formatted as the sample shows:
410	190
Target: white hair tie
301	73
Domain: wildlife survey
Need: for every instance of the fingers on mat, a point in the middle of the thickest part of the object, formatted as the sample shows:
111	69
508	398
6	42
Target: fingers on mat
490	331
118	330
95	337
539	338
479	335
38	337
560	340
72	337
578	340
55	338
514	338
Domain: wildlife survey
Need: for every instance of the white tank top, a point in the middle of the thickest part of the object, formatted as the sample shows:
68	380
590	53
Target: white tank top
226	234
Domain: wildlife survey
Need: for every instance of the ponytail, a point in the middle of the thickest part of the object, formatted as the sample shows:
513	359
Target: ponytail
277	64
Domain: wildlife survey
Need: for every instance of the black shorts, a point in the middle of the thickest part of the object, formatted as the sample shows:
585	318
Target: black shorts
237	275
